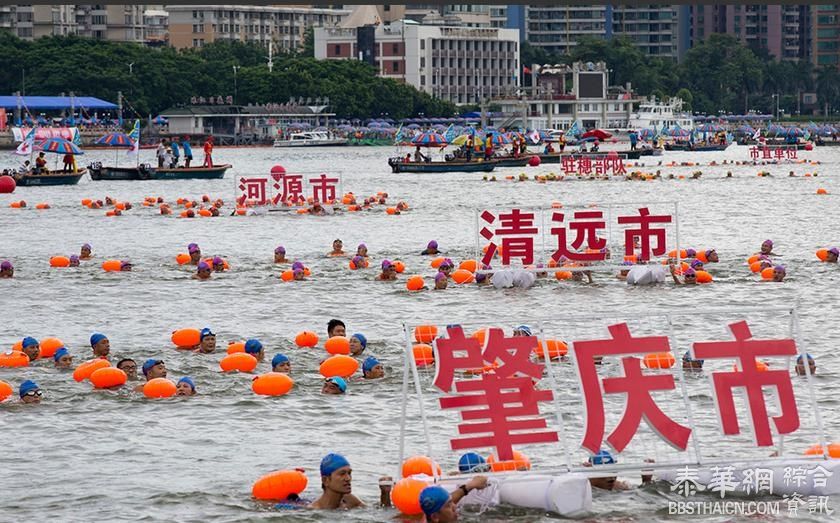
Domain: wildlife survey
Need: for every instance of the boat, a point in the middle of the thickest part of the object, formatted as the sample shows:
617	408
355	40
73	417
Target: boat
655	114
399	165
685	146
139	172
57	178
557	157
800	146
310	139
513	161
98	172
187	173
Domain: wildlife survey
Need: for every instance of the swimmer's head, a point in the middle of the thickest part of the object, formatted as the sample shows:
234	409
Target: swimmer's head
193	247
100	344
372	368
62	358
358	261
441	280
361	249
387	265
217	260
29	392
129	366
434	500
767	246
298	274
185	386
690	363
336	328
358	343
800	365
603	457
281	363
203	270
125	265
74	260
334	385
336	473
697	265
207	340
153	368
6	266
472	462
522	330
254	347
779	273
690	275
280	250
86	249
690	253
432	245
297	265
337	244
712	256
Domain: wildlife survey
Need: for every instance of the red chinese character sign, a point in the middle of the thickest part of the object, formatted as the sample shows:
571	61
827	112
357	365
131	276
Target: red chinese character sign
782	152
284	188
602	165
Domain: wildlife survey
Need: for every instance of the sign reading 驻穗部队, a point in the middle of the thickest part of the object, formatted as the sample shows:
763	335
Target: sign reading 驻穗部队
284	188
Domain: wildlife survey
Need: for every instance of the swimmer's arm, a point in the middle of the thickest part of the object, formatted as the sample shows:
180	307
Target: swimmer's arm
478	482
351	501
674	274
385	484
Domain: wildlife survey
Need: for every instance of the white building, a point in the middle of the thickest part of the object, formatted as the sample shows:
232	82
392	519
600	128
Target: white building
459	64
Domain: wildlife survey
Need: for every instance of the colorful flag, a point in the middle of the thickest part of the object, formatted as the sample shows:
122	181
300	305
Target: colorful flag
135	137
25	147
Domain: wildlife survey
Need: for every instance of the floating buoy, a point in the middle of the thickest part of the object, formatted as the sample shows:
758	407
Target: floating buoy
435	263
415	283
534	161
760	366
833	449
767	274
563	275
238	361
42	206
405	495
821	191
391	210
186	338
659	360
5	390
399	266
108	377
469	265
337	345
112	265
755	266
480	335
306	339
703	277
519	462
420	465
554	349
822	254
14	358
423	354
287	275
272	384
7	184
463	276
338	365
159	388
59	261
754	258
235	346
425	333
183	258
87	368
279	485
18	205
49	346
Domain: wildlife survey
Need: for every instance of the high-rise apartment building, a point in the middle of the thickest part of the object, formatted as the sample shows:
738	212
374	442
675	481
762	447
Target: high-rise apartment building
825	35
116	22
783	30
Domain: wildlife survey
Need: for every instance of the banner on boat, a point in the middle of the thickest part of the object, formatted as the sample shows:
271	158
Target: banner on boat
576	237
45	133
678	390
774	152
281	188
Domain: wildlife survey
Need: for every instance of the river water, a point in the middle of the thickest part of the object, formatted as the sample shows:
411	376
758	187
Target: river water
116	456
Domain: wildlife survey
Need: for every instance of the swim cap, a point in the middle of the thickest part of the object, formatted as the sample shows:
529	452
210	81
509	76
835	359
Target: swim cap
28	342
440	276
361	246
204	333
691	253
124	264
471	462
27	386
432	499
86	246
280	250
96	338
297	265
73	258
432	245
689	272
687	357
202	266
696	263
278	359
834	251
358	261
480	277
799	359
602	458
362	339
710	251
767	242
524	329
193	247
59	353
298	271
253	346
333	462
448	263
217	260
147	366
369	363
780	268
386	264
6	265
188	381
342	385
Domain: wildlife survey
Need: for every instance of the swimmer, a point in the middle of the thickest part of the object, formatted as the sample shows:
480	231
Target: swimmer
337	247
471	463
767	248
358	344
522	330
441	281
207	342
204	272
125	266
85	253
74	261
218	264
831	255
484	278
31	348
690	253
431	249
152	369
389	271
30	392
712	256
129	366
362	250
7	270
608	483
195	253
697	265
779	273
185	387
336	328
800	366
317	209
689	276
63	359
280	255
372	369
439	506
622	274
360	262
336	483
281	363
579	275
100	345
255	348
334	386
446	267
298	274
689	363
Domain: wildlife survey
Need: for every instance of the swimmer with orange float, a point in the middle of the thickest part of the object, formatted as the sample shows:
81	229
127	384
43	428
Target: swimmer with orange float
255	348
195	253
441	281
185	387
125	266
431	249
439	506
281	363
63	359
446	267
218	264
7	270
358	344
334	386
691	364
336	483
711	256
207	342
298	274
831	255
800	366
85	253
389	271
336	328
203	271
280	255
152	369
129	366
689	276
767	248
31	348
779	273
74	261
30	393
372	369
100	345
337	246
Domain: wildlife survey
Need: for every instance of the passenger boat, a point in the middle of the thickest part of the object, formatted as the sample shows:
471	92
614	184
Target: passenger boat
56	178
658	114
558	157
139	172
399	165
310	139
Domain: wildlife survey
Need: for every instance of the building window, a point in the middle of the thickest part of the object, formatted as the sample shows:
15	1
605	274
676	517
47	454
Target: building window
422	45
395	48
386	7
396	67
423	80
422	62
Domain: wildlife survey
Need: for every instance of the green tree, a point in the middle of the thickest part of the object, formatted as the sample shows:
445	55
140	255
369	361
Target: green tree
686	97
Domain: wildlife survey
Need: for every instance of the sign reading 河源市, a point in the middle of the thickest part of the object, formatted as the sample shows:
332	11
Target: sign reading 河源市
281	187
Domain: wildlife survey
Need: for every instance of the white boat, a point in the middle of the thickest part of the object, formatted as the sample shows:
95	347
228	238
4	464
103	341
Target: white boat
657	114
310	139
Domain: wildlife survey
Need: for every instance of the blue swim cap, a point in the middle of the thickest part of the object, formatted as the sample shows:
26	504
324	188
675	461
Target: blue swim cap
28	342
471	461
799	358
524	329
96	338
278	359
27	386
253	346
362	339
147	366
333	462
369	363
342	385
59	353
188	381
602	458
432	499
205	332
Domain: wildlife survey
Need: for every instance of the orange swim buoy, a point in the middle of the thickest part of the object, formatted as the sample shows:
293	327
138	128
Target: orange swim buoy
463	276
5	390
822	254
183	258
59	261
767	274
159	388
554	349
405	495
703	277
18	205
415	283
185	338
821	191
752	259
519	462
108	377
86	202
287	275
399	266
755	266
338	365
701	255
420	465
49	346
391	210
235	346
279	485
83	371
760	366
480	335
272	384
469	265
205	213
306	339
423	354
659	360
435	263
833	449
14	358
112	265
337	345
238	361
563	275
42	206
425	333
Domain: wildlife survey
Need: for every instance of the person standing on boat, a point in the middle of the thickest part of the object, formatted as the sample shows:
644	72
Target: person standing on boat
69	163
41	164
187	151
634	139
176	152
161	152
488	147
469	150
208	152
